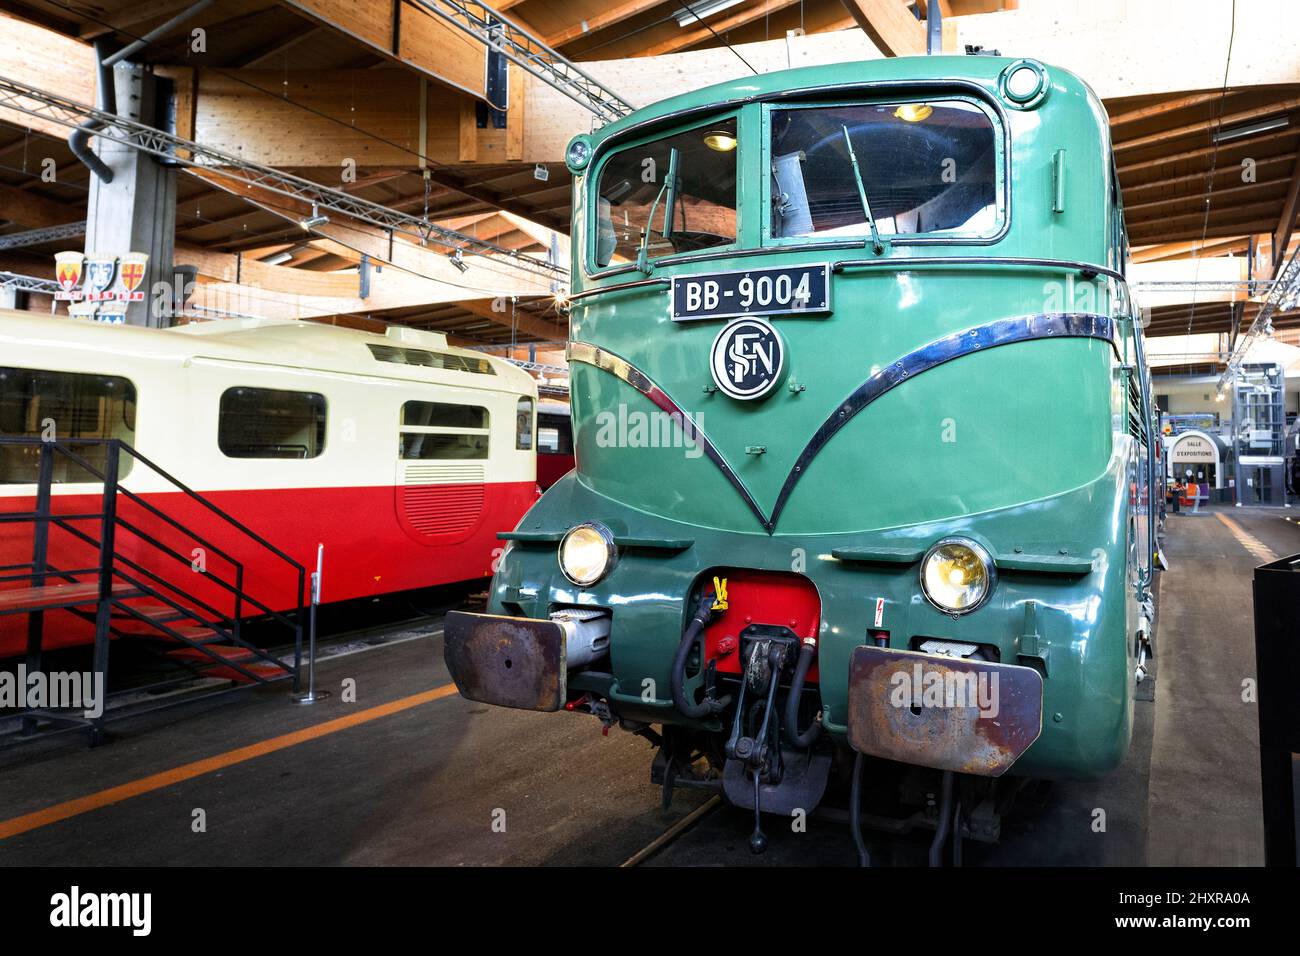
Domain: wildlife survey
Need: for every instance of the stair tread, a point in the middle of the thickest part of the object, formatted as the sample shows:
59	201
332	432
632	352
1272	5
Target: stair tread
227	652
263	671
55	595
143	629
154	612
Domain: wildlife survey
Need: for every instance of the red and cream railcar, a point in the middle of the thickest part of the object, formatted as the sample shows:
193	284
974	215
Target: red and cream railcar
401	455
554	443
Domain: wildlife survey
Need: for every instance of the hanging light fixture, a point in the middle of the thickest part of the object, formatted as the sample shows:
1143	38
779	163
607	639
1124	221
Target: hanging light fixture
314	220
914	112
724	141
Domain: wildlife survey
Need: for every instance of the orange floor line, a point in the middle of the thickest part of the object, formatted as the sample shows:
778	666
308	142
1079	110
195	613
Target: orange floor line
1247	540
104	798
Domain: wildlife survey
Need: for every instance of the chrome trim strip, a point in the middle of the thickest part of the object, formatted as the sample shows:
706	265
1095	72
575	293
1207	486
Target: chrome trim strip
621	368
902	264
689	257
621	287
936	353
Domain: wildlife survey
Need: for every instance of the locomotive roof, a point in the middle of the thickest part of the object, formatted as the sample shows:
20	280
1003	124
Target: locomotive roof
981	69
308	345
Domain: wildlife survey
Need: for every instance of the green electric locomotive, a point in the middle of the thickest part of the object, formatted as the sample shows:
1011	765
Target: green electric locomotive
862	429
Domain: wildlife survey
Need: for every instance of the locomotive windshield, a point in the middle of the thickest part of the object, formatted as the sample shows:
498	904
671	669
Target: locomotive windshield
925	168
697	212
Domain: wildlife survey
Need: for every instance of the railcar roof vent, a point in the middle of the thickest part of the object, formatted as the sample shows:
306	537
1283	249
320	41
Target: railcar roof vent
428	359
409	336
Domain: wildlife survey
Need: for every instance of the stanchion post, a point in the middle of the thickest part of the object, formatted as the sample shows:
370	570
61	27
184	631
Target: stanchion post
312	695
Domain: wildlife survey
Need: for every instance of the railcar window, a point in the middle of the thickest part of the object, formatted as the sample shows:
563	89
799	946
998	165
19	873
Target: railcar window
703	201
433	430
35	403
925	168
423	357
524	425
271	423
554	435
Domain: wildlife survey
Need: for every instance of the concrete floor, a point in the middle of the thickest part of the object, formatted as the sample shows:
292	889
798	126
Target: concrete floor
423	786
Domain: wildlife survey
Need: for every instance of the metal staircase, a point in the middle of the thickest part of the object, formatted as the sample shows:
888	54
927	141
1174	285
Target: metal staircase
126	571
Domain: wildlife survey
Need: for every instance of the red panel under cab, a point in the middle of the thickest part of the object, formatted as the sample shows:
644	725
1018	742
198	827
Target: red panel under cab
761	597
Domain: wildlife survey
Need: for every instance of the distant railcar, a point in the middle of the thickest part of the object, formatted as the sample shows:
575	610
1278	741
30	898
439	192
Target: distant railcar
400	454
863	438
554	443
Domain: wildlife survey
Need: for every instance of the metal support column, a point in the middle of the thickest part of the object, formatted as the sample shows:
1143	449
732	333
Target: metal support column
136	211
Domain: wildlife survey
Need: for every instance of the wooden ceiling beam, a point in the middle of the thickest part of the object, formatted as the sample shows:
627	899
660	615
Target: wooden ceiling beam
1188	250
690	36
1158	231
1218	194
131	16
1286	222
278	47
522	321
427	268
1167	106
1200	152
28	209
1209	125
1198	179
612	16
890	25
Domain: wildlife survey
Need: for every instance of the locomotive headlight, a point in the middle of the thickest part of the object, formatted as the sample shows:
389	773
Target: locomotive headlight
587	553
957	575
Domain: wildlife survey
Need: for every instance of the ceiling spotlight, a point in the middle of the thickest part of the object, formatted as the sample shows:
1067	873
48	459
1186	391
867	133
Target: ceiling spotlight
914	112
458	261
314	220
1250	129
280	258
721	140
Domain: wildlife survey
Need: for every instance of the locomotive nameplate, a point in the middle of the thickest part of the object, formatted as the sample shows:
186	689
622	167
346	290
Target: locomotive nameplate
781	290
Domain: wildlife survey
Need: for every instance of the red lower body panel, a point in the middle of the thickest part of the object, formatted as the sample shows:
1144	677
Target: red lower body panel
377	540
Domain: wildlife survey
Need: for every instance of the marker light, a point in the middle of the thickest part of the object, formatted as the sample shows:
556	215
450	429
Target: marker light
587	553
720	140
914	112
1024	84
957	575
578	155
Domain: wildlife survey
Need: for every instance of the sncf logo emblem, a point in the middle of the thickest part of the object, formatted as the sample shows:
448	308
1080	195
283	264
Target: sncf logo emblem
747	359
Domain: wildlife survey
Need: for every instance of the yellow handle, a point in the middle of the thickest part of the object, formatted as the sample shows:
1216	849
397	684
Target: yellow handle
719	594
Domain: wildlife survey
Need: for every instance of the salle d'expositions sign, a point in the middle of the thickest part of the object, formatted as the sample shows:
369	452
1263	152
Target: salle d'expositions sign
1193	448
97	278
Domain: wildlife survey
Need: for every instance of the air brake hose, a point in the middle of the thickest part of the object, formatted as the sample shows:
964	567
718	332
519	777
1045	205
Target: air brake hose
855	811
694	634
807	652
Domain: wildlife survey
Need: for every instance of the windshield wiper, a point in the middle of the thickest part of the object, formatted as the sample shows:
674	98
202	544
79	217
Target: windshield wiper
876	244
669	187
